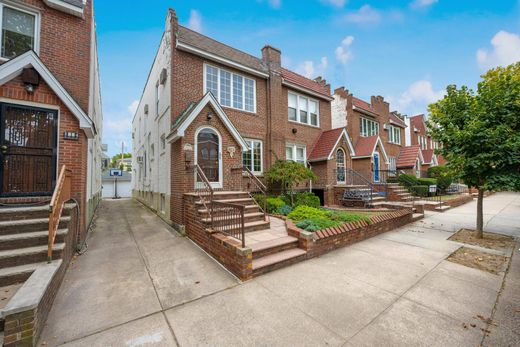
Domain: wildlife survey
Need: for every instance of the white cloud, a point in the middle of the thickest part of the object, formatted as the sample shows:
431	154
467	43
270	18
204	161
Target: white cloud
423	3
505	51
275	3
310	70
416	98
132	108
336	3
343	53
366	14
195	21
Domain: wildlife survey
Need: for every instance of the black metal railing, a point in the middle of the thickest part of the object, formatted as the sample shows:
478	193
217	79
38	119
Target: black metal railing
253	185
228	219
357	187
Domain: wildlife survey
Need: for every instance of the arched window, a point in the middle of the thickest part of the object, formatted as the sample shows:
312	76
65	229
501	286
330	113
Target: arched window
340	166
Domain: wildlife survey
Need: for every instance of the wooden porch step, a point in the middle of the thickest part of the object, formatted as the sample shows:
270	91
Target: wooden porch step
265	248
29	239
28	225
277	260
17	274
28	255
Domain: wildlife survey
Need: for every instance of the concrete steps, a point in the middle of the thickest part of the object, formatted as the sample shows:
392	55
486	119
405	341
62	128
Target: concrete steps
266	248
277	260
29	225
28	255
17	274
29	239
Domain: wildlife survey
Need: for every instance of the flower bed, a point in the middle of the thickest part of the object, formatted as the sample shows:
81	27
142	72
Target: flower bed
314	219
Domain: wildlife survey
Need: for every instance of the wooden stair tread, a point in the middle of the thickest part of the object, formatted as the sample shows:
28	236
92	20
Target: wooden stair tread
282	241
277	258
28	235
29	250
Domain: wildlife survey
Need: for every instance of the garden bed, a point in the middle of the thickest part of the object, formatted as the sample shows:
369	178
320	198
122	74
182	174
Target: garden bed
489	240
477	259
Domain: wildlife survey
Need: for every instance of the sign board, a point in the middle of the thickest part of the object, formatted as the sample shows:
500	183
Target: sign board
116	173
433	188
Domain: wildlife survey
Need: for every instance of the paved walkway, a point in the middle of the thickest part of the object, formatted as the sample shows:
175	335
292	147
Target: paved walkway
140	285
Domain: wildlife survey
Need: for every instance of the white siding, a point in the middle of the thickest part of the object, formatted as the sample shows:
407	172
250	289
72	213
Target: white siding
339	112
408	132
149	128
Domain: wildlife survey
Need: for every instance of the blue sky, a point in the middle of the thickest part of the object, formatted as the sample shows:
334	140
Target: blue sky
406	50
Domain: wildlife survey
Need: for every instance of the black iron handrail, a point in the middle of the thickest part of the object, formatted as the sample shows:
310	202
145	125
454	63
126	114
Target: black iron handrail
229	219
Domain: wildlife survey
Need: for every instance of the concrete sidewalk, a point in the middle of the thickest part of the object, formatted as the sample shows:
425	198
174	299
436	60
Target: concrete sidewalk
140	284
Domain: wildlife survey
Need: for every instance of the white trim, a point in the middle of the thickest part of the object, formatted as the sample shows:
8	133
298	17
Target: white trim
28	10
362	110
261	156
344	166
298	121
208	98
218	184
191	49
366	134
15	66
350	147
294	147
378	141
305	90
66	7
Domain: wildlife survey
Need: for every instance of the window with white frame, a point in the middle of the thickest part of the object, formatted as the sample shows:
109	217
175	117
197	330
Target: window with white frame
19	32
252	159
368	127
302	109
296	153
394	135
230	89
392	164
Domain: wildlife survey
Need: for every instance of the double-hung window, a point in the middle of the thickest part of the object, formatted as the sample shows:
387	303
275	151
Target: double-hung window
230	89
302	109
252	159
296	153
368	127
19	31
394	135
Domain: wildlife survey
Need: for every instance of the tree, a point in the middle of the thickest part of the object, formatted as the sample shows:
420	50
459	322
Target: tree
480	133
289	174
116	158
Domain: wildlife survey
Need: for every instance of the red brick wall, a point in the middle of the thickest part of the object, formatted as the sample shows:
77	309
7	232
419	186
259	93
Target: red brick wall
65	48
71	153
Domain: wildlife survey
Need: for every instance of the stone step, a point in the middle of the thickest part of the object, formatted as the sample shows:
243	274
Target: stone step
17	274
248	217
442	208
29	225
417	216
277	260
241	201
265	248
29	239
28	255
30	212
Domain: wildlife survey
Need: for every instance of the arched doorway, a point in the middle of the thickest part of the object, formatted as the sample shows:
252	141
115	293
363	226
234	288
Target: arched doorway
340	166
208	147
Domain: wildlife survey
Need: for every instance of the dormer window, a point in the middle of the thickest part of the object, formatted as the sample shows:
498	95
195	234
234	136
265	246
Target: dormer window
19	31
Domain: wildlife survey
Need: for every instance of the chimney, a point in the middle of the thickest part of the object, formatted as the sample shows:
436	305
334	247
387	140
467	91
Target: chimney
272	57
318	79
174	22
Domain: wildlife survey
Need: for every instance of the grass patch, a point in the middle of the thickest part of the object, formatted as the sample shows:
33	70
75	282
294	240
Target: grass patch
479	260
490	240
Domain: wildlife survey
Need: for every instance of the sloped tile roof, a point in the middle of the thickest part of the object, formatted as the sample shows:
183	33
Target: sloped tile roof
325	144
408	156
212	46
362	104
396	120
417	122
304	82
365	146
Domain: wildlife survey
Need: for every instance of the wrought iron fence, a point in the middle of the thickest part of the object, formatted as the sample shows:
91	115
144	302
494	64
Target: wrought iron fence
228	219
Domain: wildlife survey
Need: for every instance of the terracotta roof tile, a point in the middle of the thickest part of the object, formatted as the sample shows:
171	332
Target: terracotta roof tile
304	82
210	45
362	104
365	146
398	121
408	156
325	144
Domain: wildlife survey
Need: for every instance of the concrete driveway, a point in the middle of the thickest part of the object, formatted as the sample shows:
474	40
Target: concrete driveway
139	284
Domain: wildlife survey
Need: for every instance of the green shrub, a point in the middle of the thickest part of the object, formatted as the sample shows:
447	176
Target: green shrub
443	176
306	212
307	199
316	223
426	182
285	210
419	190
273	204
408	180
346	217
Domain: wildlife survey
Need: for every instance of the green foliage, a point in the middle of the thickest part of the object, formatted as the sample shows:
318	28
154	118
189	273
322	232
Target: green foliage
443	176
305	212
307	199
316	223
426	181
285	210
419	190
273	204
117	157
407	180
317	218
289	174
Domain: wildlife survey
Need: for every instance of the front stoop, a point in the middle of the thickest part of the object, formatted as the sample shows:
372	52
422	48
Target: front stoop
275	254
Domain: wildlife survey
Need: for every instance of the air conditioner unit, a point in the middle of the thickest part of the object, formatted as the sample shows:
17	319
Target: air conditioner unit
386	126
139	159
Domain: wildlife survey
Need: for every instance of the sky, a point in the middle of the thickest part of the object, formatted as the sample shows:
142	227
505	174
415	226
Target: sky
406	50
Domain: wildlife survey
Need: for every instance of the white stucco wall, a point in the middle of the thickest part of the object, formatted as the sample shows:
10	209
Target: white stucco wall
148	129
407	132
339	112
